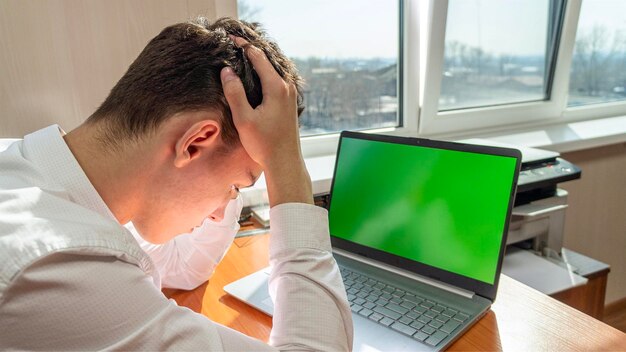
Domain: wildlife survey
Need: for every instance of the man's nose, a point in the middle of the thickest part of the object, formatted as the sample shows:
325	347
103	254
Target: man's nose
218	214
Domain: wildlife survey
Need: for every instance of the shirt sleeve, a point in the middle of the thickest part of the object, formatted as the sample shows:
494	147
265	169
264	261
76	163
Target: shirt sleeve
189	259
305	279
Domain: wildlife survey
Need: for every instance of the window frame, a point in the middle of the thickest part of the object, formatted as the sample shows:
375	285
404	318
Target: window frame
408	86
422	25
490	118
593	110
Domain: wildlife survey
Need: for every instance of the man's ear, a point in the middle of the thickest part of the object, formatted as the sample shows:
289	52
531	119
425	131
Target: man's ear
199	138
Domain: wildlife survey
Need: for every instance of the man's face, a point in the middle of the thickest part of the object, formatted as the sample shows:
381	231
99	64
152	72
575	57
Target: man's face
184	197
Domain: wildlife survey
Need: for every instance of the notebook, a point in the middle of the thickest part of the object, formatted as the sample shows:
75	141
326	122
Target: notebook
418	228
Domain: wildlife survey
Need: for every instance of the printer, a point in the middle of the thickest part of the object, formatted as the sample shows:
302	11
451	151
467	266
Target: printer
538	216
535	253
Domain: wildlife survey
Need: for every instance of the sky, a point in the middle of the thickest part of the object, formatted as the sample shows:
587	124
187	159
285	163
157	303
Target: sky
512	27
331	28
369	28
608	13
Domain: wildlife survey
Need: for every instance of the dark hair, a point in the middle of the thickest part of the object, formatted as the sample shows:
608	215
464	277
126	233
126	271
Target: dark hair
179	70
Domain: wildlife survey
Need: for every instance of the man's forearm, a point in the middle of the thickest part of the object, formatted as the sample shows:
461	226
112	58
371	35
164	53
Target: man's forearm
311	309
288	181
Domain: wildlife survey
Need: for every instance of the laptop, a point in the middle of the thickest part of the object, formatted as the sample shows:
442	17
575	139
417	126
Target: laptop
418	228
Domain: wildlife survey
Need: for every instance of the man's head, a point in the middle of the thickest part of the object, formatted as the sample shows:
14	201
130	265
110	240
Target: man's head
179	71
170	108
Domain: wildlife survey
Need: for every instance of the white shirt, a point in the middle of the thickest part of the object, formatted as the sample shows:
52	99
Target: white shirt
72	278
188	260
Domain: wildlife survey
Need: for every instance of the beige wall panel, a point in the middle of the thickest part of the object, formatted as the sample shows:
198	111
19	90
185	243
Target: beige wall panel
60	58
595	223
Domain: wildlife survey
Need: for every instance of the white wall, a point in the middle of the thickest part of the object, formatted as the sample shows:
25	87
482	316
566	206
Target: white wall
60	58
595	222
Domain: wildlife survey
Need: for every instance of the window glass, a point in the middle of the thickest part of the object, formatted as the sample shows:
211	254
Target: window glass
497	52
347	52
598	71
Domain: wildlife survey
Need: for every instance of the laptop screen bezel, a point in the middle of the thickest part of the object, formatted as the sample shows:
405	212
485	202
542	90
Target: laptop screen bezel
479	287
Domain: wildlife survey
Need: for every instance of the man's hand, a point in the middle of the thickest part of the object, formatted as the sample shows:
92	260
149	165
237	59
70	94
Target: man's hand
269	133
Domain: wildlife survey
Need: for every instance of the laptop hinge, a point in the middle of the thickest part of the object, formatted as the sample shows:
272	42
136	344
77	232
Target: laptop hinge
410	275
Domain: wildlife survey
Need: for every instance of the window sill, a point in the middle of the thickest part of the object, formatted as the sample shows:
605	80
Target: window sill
564	137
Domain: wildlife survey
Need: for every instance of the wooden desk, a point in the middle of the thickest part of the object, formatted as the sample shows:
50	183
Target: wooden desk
521	319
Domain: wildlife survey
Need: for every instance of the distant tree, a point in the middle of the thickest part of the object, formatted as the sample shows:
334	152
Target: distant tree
598	61
504	64
342	94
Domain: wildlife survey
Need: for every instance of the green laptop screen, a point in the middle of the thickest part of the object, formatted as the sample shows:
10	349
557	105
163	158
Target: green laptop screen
438	207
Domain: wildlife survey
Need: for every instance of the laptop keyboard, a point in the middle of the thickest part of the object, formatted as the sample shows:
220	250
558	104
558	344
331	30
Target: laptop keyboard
423	319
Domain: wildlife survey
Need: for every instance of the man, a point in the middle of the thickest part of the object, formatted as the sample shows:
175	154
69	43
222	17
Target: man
168	151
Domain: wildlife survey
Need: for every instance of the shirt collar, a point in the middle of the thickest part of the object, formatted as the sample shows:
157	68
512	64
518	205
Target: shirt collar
48	150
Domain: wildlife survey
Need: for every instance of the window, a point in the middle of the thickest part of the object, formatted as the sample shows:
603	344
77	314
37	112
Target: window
449	68
490	64
496	52
348	53
598	70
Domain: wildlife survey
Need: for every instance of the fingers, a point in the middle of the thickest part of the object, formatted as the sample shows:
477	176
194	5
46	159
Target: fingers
235	95
270	79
